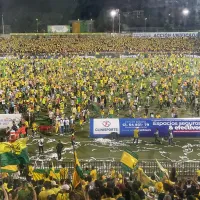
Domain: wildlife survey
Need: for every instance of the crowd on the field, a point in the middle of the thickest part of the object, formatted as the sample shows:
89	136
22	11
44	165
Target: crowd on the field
94	186
77	44
69	89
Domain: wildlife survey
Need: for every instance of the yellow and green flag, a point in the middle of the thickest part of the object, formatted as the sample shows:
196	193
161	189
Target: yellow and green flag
54	173
78	172
129	160
143	178
9	169
20	150
6	155
164	172
39	174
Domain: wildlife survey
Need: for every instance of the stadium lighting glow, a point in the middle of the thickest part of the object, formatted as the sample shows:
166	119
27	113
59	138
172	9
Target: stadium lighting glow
113	13
185	12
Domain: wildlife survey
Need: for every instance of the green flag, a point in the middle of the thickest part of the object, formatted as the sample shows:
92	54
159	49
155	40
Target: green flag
20	150
6	155
129	160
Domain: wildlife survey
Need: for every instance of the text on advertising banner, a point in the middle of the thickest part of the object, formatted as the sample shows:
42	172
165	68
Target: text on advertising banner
105	126
6	120
166	35
181	127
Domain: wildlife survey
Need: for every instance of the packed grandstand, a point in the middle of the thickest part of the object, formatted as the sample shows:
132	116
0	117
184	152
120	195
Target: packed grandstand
77	44
162	80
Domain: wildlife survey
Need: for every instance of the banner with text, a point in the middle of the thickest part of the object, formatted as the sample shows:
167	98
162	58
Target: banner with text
181	127
59	29
6	120
103	127
165	35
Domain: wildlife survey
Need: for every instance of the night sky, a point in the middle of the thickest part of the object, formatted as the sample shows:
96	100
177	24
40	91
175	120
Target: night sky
83	8
21	15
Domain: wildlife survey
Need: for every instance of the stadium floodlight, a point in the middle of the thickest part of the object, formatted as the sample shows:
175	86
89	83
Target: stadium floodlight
145	20
3	26
37	24
185	12
113	14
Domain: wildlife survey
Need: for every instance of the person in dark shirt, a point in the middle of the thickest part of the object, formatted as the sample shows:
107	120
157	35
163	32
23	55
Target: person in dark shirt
59	148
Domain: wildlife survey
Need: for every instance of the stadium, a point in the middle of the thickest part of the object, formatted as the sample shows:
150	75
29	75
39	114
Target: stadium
100	115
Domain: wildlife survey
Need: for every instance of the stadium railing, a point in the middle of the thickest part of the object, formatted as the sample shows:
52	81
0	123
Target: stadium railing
183	168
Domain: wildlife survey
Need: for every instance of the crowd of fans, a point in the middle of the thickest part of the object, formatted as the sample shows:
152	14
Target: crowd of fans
69	90
110	186
77	44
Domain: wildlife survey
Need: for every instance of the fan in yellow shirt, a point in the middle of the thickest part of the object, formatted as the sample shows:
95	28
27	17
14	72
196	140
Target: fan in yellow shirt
93	174
43	195
63	172
63	195
34	128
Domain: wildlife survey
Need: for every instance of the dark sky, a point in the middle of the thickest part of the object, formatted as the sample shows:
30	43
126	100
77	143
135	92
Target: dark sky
21	15
84	8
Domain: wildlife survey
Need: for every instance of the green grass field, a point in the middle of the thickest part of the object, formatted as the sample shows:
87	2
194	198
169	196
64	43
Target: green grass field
105	149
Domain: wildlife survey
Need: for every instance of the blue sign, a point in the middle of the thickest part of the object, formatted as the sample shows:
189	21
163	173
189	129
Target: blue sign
181	127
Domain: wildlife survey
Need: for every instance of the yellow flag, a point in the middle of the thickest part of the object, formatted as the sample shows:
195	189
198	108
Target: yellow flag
130	159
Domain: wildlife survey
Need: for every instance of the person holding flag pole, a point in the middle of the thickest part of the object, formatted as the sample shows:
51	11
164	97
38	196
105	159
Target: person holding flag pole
78	172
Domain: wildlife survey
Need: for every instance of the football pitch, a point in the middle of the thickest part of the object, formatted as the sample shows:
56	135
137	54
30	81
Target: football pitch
89	149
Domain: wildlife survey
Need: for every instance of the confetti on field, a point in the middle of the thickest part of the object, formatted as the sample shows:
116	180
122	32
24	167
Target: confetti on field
110	142
182	152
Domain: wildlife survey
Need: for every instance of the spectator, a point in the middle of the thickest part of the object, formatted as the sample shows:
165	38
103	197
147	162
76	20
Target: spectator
41	145
59	148
43	195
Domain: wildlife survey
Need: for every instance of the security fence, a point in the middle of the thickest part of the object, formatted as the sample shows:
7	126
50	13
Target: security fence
183	168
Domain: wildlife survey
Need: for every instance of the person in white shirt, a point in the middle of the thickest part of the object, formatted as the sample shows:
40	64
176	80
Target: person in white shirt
61	126
41	145
51	115
16	177
156	136
171	137
66	125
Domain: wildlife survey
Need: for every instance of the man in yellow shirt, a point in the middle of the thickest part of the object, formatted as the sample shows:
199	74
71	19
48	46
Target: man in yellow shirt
93	174
136	135
64	193
63	172
43	195
55	187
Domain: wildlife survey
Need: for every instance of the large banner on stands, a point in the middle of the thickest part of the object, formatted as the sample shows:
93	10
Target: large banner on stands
165	34
6	120
58	29
181	127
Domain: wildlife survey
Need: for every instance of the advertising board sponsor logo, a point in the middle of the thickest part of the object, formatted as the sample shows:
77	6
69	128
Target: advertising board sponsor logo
103	127
106	123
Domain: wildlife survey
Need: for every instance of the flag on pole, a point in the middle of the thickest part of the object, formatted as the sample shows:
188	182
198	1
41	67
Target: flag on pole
9	169
78	172
6	155
143	178
39	174
164	172
20	150
129	160
55	174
